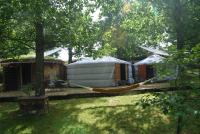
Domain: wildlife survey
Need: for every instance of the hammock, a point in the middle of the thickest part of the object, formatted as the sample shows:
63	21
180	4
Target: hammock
114	89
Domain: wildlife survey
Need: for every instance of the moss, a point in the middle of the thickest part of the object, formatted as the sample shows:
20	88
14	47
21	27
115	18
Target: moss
31	59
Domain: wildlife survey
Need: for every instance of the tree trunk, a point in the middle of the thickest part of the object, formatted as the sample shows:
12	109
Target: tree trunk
39	40
179	124
70	55
178	17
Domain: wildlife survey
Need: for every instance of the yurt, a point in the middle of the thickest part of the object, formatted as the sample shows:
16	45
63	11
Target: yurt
102	72
144	69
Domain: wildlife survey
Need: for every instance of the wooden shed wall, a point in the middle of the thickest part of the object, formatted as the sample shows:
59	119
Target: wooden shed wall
117	72
142	72
19	74
51	72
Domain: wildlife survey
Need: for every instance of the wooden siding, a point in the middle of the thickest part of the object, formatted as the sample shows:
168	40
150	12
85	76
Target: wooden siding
126	72
142	72
51	72
117	72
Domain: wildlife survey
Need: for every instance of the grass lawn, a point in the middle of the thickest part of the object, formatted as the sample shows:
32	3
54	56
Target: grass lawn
111	115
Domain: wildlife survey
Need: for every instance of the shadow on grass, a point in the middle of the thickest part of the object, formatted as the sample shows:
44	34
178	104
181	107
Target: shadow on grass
60	120
131	120
86	116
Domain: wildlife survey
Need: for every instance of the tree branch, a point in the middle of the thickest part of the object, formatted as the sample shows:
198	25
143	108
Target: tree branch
23	41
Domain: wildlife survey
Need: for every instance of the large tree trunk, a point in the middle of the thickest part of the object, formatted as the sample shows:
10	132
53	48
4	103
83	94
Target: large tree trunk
179	124
70	54
39	40
178	17
179	26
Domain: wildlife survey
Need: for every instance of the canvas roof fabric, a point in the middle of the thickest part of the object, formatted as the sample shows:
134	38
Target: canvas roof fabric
105	59
150	60
155	51
50	52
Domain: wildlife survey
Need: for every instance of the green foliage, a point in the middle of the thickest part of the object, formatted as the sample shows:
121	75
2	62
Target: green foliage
66	23
117	115
178	103
130	24
106	50
187	81
27	89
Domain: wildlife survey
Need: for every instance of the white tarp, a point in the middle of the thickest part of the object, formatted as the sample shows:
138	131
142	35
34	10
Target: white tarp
95	73
62	53
155	51
50	52
150	60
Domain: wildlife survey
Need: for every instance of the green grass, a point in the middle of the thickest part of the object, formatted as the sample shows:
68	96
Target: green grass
111	115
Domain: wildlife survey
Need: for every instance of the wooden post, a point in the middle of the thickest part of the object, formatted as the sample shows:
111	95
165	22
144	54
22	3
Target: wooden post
4	86
20	76
127	71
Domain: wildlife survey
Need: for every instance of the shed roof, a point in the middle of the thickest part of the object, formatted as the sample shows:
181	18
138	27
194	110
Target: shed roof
30	60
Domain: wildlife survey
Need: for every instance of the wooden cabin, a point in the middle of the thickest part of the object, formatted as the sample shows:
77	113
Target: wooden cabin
17	73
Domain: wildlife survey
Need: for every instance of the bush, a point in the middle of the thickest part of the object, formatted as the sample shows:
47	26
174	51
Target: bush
27	89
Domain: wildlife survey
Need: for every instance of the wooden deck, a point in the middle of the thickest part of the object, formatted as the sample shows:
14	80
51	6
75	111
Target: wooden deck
67	93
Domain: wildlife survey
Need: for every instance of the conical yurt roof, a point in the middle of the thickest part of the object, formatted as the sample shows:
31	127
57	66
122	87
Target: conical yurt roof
105	59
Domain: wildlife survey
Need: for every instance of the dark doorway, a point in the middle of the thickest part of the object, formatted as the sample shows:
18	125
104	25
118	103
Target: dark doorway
133	72
150	72
123	71
26	73
11	74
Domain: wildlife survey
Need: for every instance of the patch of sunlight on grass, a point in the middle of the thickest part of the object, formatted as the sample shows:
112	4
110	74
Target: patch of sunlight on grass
111	101
74	129
104	115
19	129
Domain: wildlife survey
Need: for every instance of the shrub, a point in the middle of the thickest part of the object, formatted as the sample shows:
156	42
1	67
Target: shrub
27	89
